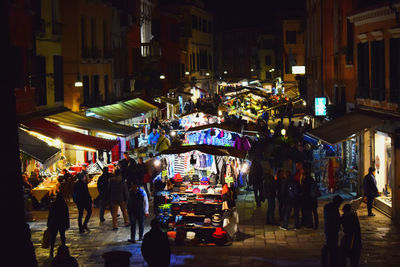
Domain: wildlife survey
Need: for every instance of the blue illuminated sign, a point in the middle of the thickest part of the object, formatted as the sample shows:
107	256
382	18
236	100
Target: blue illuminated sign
320	106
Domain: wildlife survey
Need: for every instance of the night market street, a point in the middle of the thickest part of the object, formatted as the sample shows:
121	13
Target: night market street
258	244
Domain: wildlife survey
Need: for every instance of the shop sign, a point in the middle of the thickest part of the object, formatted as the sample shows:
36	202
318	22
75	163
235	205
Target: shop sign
320	106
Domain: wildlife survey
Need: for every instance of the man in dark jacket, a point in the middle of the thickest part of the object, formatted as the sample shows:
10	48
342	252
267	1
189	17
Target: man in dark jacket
128	167
255	179
118	193
332	227
102	187
138	209
140	171
58	221
351	242
370	189
83	200
270	191
291	194
156	241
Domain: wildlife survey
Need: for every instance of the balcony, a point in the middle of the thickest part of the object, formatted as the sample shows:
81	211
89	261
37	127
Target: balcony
150	50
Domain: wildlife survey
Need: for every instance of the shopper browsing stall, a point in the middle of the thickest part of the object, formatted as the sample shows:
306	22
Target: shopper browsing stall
138	209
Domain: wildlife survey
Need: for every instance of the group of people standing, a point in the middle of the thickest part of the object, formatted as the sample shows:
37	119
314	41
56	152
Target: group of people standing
298	192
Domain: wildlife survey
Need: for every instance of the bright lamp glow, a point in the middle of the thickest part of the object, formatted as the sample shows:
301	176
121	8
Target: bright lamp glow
298	69
162	77
245	83
157	163
283	132
225	72
245	167
187	73
304	103
220	112
173	133
78	84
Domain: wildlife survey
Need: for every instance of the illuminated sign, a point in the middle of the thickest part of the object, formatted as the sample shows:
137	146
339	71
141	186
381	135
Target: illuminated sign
320	106
298	69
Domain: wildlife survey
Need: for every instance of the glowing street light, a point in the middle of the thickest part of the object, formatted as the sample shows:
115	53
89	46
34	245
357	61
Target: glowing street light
225	72
187	73
78	84
283	132
162	77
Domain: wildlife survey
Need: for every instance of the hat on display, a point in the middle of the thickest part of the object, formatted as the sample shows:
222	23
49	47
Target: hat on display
190	235
183	198
178	178
204	181
219	233
195	177
216	220
191	197
196	190
207	222
171	234
211	191
204	191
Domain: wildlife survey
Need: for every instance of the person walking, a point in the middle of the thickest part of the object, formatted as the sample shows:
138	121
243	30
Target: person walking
351	244
140	171
163	142
153	138
58	221
314	194
370	189
138	209
128	168
270	191
305	202
255	179
118	193
156	240
291	194
332	222
102	187
280	180
82	199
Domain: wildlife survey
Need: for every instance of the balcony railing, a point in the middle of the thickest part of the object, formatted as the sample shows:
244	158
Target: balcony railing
56	28
150	50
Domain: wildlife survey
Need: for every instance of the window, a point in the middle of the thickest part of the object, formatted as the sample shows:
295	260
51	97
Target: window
204	25
291	60
83	34
194	22
174	31
95	94
55	17
395	70
40	80
350	44
268	61
291	37
210	63
58	78
93	32
86	88
268	75
203	60
363	70
105	37
106	88
378	70
269	44
209	27
183	70
198	61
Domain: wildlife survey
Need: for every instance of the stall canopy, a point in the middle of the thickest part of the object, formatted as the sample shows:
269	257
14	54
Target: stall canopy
78	120
169	100
224	126
207	149
123	110
344	127
54	131
37	149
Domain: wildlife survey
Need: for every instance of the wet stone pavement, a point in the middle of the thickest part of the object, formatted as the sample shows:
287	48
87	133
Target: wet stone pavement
257	244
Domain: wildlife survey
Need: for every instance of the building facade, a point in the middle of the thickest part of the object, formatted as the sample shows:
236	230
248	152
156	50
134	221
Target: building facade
267	68
86	44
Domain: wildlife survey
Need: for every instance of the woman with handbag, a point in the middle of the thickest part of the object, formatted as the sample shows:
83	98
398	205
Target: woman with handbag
58	221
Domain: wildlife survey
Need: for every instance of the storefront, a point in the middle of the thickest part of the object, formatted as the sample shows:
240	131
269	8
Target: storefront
197	205
197	118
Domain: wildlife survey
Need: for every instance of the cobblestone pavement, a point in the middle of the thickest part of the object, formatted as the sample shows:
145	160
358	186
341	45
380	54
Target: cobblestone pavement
257	244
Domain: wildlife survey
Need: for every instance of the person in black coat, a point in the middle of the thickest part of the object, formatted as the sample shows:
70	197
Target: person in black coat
156	241
370	189
128	168
102	187
351	244
83	200
256	179
332	227
291	194
270	191
57	221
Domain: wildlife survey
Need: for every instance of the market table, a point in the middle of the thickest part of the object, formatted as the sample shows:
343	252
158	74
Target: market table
41	190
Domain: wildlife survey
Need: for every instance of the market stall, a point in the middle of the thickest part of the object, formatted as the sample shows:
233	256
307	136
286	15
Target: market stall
196	191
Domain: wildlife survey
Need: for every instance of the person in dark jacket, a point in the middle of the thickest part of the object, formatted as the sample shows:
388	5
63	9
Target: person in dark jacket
350	245
57	221
332	227
280	180
63	258
255	179
156	240
140	171
291	194
306	199
83	200
270	194
128	168
370	189
102	187
138	209
118	193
